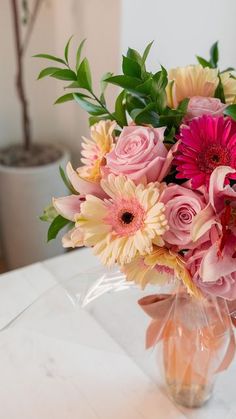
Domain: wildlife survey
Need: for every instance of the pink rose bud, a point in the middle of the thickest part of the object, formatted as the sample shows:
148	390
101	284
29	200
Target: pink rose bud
181	206
199	105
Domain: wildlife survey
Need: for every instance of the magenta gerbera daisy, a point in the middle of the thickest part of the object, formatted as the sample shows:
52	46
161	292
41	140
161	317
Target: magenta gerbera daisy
206	143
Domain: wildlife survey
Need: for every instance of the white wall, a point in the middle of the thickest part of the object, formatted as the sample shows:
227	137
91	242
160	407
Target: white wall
180	28
98	21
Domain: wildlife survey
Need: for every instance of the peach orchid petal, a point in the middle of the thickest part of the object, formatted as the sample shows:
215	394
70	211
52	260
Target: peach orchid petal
81	185
73	176
203	222
214	265
68	206
87	187
218	194
217	189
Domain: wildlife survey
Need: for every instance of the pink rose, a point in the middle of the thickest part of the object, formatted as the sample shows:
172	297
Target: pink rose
140	155
199	105
214	271
181	207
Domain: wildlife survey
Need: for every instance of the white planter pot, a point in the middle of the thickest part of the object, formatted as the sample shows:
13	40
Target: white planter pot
24	193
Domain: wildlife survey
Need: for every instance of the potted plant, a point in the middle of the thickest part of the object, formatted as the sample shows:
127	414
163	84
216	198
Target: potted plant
25	167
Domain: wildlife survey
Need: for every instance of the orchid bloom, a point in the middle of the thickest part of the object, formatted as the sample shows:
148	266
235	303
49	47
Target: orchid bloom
219	216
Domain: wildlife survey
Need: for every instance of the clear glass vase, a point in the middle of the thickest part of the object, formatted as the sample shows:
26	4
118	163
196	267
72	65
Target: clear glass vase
198	342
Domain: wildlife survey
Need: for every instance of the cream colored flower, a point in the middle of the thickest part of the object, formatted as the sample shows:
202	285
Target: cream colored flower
127	224
193	80
95	149
162	265
229	86
73	238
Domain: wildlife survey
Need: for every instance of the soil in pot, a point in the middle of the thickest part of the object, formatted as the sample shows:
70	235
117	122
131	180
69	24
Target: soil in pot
38	155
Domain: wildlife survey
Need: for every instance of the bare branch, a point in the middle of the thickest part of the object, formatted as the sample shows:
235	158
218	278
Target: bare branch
30	26
20	78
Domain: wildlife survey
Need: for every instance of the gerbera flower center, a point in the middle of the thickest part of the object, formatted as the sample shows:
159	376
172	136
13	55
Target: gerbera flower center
214	156
126	216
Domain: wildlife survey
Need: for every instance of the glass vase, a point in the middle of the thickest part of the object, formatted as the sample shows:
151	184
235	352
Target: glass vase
198	342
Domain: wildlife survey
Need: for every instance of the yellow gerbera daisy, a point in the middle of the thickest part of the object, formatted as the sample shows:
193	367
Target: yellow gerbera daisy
162	265
193	80
229	86
95	149
127	224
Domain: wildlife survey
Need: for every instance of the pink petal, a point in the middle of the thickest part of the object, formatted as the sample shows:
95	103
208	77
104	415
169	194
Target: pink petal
73	177
203	222
215	266
168	162
84	186
68	206
217	189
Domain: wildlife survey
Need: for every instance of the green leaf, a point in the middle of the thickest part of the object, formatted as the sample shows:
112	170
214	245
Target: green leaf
231	111
78	54
73	85
131	67
146	115
183	106
103	82
134	102
214	55
50	57
145	88
231	76
67	49
161	101
88	106
219	92
47	72
64	98
126	82
161	78
134	55
170	136
58	223
120	114
49	214
64	75
94	119
228	69
103	85
84	75
146	52
171	117
67	182
159	83
204	63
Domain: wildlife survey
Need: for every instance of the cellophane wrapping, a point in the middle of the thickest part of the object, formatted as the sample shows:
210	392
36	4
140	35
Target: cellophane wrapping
192	337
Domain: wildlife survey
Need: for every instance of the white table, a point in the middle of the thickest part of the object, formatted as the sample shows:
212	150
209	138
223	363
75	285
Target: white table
58	361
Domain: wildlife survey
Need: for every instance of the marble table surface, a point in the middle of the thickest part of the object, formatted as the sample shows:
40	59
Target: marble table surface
61	361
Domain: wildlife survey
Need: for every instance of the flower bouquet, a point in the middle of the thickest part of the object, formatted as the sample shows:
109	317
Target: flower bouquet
156	194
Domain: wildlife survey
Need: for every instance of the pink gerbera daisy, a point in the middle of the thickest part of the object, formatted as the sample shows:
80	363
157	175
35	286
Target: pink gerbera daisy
125	225
206	143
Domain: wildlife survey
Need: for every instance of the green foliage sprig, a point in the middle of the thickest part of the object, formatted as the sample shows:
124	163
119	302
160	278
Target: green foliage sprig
142	97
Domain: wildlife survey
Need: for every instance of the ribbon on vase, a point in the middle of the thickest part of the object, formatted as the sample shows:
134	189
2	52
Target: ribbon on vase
165	324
